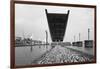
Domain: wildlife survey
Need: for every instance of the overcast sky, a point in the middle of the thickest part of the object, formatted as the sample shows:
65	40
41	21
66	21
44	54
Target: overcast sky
30	20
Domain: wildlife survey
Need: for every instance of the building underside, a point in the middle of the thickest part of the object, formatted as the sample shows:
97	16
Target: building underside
57	25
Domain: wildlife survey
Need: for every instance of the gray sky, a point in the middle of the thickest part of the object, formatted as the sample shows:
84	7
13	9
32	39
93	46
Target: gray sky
31	20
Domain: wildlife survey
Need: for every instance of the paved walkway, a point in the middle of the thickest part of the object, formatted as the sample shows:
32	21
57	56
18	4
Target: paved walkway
63	55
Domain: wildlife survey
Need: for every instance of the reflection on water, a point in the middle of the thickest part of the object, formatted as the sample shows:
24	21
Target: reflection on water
83	49
25	55
29	54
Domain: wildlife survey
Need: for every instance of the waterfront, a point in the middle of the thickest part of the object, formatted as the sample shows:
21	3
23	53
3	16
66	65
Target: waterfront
25	55
46	55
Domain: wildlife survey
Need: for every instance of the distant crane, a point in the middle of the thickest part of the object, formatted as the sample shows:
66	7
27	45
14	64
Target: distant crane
74	38
88	34
46	38
31	49
79	36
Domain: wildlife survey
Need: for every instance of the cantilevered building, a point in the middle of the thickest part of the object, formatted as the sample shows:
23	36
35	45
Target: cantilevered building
57	25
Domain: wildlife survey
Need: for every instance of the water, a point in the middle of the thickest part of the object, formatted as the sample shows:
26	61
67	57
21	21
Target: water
26	55
89	51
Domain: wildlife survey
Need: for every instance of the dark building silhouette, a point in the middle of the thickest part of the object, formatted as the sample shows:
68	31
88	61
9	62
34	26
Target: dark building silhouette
88	43
57	25
74	43
79	43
